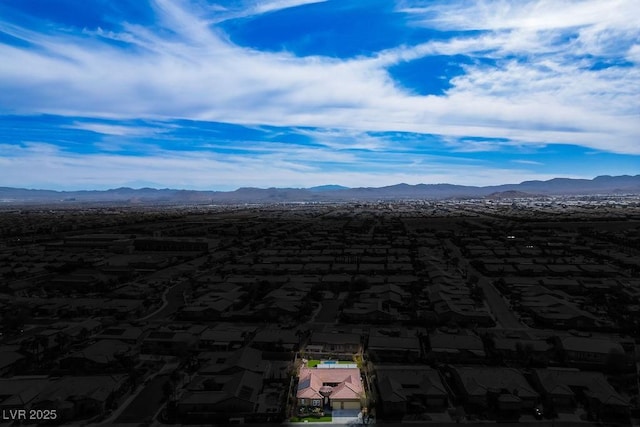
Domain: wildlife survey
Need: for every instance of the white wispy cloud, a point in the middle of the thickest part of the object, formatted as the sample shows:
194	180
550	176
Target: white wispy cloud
528	162
204	170
522	14
541	89
118	130
273	5
217	13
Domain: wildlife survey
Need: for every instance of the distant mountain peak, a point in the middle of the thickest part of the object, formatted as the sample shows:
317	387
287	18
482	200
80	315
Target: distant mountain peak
604	184
328	187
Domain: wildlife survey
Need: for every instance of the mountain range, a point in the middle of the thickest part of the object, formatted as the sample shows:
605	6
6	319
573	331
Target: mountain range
624	184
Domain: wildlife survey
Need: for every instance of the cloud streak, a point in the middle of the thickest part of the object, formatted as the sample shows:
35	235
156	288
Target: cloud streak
539	72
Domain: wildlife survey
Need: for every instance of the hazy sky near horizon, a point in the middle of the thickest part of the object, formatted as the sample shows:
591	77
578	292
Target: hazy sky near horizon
204	94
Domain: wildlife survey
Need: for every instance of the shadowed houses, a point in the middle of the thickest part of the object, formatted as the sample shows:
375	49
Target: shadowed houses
550	310
453	303
394	346
322	344
244	359
214	304
19	393
584	352
372	311
391	296
504	390
167	342
520	347
82	397
216	398
455	348
222	340
276	340
564	389
236	384
127	334
101	356
10	361
409	389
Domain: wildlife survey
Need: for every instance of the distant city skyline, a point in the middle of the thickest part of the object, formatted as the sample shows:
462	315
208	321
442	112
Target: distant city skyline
218	95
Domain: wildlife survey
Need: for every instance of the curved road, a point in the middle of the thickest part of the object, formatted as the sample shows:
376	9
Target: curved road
174	300
173	297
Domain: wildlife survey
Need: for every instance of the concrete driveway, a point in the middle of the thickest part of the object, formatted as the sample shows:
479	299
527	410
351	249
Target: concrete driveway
344	416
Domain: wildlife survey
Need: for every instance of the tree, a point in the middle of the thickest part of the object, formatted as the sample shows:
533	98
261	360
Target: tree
14	319
477	294
616	361
134	377
36	346
167	389
360	283
62	340
43	342
473	280
84	334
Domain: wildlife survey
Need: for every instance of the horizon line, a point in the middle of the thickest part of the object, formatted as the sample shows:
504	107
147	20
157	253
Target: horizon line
342	187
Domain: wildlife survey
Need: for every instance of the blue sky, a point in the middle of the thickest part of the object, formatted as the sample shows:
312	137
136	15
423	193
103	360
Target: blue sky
204	94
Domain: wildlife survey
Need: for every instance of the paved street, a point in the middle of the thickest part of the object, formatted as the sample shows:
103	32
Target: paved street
501	312
146	403
173	298
175	301
329	311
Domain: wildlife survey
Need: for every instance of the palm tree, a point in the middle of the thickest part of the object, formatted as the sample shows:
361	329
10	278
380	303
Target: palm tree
167	389
27	346
62	340
37	343
84	334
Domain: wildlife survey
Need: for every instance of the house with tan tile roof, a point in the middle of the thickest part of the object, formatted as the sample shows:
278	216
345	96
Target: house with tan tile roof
339	388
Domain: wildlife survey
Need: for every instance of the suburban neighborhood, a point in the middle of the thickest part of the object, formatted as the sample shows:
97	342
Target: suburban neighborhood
458	311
